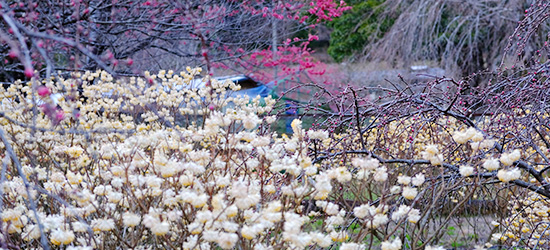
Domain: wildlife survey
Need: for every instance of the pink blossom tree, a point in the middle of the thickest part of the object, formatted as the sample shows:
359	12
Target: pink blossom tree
128	36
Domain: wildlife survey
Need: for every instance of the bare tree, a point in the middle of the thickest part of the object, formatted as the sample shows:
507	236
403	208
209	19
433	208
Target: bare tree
463	36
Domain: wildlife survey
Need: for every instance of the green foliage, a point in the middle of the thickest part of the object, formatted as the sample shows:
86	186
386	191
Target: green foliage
451	231
355	28
419	243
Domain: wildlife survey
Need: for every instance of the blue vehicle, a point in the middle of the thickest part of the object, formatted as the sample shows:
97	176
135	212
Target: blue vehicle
249	86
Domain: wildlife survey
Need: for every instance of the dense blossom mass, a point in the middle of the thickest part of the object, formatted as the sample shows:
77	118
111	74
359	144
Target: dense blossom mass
158	162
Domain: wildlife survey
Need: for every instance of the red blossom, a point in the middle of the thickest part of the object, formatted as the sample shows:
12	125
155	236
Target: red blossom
13	54
43	91
59	116
29	72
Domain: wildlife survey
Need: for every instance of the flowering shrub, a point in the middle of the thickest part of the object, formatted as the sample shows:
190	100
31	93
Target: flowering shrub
527	223
142	163
117	169
489	157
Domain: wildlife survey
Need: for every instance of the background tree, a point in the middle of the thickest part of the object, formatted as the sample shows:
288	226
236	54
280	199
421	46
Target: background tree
462	36
126	36
361	25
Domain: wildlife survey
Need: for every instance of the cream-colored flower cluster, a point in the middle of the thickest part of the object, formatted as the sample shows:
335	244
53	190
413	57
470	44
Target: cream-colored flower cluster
205	183
470	134
432	154
159	162
483	154
168	161
527	222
